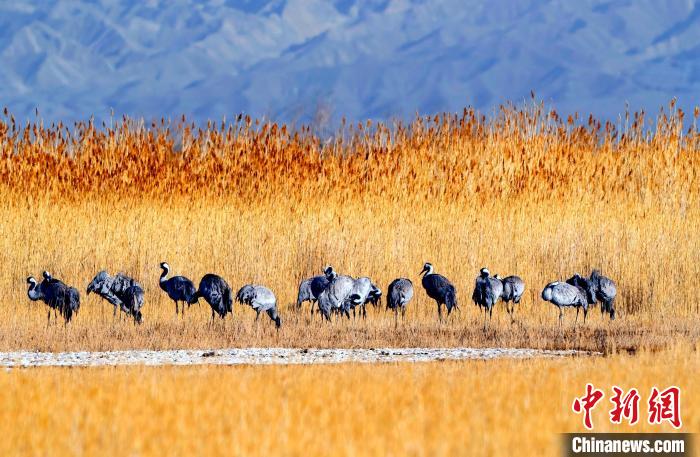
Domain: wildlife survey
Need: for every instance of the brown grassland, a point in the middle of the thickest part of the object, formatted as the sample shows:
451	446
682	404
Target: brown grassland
502	407
523	192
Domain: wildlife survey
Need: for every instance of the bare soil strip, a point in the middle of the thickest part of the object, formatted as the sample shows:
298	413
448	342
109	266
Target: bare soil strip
269	356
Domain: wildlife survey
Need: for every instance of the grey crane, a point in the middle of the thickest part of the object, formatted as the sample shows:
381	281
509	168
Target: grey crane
440	289
121	291
56	294
311	288
562	294
363	291
375	296
178	288
216	291
513	289
487	291
400	292
334	296
603	288
67	297
260	298
605	291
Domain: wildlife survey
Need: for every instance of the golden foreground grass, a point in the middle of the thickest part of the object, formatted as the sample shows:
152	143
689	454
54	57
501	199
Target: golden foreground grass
501	407
524	193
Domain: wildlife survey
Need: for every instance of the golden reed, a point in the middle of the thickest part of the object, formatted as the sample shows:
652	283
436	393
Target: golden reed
523	192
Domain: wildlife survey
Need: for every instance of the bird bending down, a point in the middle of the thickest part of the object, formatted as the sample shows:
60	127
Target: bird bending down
513	289
178	288
260	298
333	298
439	289
216	291
121	291
562	294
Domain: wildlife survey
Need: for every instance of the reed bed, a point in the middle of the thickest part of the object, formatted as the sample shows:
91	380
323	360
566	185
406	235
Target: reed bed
523	192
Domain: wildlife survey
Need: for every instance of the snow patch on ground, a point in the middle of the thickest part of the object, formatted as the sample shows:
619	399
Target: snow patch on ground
270	356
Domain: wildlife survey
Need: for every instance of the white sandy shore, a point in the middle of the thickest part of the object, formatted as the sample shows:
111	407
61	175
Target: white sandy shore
268	356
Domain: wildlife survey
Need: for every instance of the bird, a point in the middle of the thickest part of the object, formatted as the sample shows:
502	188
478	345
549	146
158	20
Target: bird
178	288
602	289
400	292
513	289
562	294
56	294
260	298
375	296
360	294
34	293
605	291
68	297
311	288
334	295
487	291
216	291
439	289
121	291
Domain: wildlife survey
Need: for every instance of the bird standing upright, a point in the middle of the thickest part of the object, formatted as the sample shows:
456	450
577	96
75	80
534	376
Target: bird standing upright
440	289
178	288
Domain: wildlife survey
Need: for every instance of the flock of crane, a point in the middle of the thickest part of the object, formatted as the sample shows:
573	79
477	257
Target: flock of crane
330	292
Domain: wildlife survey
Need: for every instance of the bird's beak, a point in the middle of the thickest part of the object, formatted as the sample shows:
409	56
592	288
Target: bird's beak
422	271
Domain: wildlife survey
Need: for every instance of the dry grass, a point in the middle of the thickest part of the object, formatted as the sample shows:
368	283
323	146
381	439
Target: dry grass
449	408
525	193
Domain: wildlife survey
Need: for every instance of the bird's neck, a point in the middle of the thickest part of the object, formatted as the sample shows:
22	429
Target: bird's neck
162	277
32	292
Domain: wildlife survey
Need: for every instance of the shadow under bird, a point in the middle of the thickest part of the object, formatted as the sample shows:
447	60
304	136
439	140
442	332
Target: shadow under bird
260	298
121	291
563	294
400	292
56	294
513	289
216	291
311	288
603	288
178	288
440	289
487	291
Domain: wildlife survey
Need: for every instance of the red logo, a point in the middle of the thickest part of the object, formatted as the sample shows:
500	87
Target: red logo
626	406
665	406
586	403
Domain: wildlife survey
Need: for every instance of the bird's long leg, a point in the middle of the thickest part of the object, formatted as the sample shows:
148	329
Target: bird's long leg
439	305
177	311
585	314
257	315
312	309
364	312
577	310
561	316
403	313
48	318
